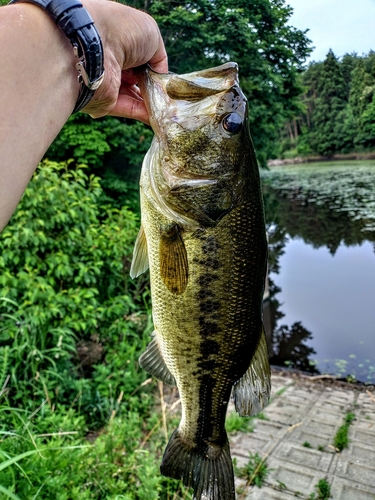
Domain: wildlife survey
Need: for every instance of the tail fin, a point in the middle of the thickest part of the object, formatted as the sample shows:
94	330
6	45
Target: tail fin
207	469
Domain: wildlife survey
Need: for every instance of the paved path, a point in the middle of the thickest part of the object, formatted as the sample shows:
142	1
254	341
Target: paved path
303	411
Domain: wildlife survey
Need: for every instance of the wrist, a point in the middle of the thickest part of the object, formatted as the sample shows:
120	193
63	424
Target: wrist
77	25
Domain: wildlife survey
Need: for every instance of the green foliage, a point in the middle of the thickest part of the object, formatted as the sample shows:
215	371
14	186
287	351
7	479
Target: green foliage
255	471
71	254
64	276
74	304
323	490
113	148
341	439
235	423
88	141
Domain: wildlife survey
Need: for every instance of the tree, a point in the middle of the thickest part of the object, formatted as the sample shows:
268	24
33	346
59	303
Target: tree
331	101
360	89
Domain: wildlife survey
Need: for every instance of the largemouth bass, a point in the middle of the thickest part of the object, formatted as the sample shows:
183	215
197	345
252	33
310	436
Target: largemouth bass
203	238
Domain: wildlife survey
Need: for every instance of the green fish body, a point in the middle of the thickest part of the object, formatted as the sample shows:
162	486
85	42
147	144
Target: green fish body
203	238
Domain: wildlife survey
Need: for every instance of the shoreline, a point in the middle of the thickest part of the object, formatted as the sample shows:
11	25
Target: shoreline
278	162
324	379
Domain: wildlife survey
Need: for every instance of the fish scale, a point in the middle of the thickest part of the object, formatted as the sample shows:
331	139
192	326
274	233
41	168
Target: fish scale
203	238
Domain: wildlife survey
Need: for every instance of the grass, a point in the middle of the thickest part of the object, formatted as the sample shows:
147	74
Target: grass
235	423
341	439
255	471
91	437
323	490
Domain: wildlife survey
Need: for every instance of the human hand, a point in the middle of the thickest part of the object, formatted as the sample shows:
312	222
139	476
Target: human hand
130	38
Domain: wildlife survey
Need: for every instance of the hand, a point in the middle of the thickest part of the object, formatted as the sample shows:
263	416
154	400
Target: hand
130	38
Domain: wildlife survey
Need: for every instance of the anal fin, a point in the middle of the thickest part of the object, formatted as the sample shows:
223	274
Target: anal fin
152	361
252	390
140	255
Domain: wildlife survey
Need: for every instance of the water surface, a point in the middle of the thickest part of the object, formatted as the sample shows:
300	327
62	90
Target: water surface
322	267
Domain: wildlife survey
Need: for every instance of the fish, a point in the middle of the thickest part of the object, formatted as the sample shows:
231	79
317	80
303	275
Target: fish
203	239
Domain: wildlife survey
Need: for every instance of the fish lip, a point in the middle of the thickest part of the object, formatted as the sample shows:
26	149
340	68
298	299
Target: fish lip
218	79
205	73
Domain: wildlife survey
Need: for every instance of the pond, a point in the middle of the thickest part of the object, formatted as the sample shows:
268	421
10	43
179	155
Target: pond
321	224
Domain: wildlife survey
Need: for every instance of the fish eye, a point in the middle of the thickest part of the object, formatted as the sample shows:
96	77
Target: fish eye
232	123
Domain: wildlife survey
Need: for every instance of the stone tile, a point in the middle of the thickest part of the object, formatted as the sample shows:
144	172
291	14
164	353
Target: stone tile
364	424
295	478
358	472
269	428
336	401
362	453
302	435
298	454
346	490
287	415
266	493
321	427
249	443
322	414
312	413
362	434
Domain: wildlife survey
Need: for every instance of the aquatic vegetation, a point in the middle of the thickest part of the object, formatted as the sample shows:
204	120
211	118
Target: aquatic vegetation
351	192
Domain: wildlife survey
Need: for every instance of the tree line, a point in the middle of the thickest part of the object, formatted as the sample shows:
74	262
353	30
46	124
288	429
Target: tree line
337	108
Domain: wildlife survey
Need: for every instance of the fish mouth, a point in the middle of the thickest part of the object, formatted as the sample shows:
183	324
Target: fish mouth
198	84
197	94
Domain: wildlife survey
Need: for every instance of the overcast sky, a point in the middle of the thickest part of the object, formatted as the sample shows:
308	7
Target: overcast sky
345	26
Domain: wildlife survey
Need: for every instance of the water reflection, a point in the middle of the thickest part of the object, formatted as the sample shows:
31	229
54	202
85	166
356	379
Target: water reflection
307	344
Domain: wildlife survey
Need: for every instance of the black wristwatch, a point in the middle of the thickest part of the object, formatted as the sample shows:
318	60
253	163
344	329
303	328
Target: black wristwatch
76	23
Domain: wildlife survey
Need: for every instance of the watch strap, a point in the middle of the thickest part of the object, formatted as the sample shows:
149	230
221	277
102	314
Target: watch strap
77	24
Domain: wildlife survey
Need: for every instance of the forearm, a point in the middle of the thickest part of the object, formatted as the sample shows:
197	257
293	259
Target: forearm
39	82
39	88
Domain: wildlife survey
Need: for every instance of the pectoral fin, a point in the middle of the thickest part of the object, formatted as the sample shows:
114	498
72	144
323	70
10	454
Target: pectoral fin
173	260
140	255
152	361
252	390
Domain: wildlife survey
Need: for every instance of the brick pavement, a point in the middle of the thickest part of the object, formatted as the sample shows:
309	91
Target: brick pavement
304	411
